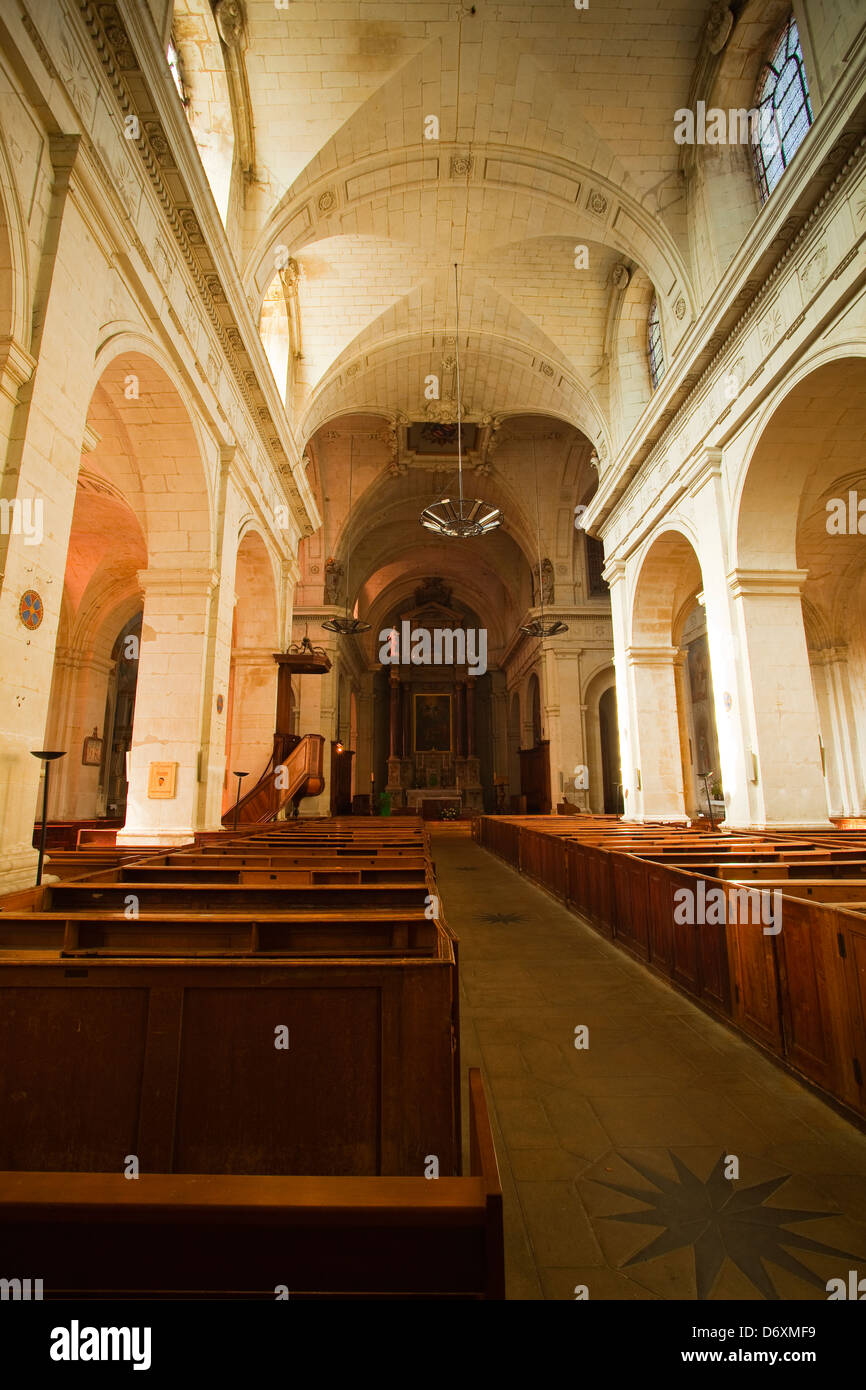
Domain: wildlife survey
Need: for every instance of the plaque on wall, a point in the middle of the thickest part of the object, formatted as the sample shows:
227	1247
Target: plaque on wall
432	723
161	781
91	755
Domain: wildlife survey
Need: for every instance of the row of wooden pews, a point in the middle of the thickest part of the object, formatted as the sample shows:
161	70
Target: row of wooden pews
766	930
264	1027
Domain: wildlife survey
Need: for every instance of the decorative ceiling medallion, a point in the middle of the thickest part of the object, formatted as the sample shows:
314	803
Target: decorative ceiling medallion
461	165
30	609
597	203
219	704
327	200
680	308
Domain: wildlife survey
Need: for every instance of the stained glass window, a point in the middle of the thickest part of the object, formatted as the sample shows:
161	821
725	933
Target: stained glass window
655	348
173	58
784	110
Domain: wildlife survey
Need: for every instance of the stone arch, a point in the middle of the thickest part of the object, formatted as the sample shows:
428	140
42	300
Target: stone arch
149	445
14	261
631	387
661	685
602	743
806	536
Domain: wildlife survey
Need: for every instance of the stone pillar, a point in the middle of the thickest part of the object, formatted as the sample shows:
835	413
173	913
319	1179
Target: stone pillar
780	712
406	720
43	409
255	696
173	682
394	750
499	708
614	573
364	754
843	770
728	673
470	716
461	719
317	705
656	736
78	699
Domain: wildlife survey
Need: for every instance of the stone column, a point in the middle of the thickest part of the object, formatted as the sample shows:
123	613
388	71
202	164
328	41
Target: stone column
728	672
614	573
656	744
395	742
780	711
394	717
406	720
317	706
169	714
461	719
364	754
470	716
43	409
255	695
78	699
832	683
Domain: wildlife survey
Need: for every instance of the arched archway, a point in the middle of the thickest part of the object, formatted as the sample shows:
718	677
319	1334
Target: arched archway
660	665
144	491
604	790
797	543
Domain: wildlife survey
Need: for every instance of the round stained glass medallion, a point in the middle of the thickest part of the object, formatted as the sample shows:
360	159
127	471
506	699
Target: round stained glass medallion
30	609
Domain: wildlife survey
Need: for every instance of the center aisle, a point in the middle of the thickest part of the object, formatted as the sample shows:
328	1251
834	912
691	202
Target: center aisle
659	1100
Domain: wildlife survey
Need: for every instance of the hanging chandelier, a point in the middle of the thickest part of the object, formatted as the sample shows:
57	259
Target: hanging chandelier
537	627
347	626
460	516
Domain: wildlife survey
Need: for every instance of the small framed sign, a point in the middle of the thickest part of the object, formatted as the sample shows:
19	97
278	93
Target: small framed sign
92	753
161	781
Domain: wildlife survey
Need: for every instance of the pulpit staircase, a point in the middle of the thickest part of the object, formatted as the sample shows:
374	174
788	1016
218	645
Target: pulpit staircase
295	770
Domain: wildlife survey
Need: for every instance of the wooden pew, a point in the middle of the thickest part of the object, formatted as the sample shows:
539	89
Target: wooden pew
98	1235
799	992
175	1060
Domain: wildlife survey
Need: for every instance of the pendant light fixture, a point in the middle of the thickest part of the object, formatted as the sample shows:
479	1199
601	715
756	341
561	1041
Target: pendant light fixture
538	627
347	626
460	516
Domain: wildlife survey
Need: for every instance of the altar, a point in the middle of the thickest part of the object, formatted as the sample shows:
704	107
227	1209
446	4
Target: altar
432	751
416	795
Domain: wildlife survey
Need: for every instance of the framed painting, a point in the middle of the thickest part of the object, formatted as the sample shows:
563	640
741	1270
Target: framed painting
432	723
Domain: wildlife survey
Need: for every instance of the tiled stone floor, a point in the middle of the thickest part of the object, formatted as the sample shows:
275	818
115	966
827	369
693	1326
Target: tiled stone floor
635	1125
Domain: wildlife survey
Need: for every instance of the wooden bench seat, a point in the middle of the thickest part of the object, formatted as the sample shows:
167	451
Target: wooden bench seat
175	1061
351	933
98	1235
79	895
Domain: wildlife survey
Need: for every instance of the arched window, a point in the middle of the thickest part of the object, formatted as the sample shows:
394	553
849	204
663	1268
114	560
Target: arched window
784	110
174	64
654	346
